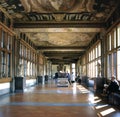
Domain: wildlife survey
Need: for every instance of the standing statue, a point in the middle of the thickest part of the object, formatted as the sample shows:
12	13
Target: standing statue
99	68
20	72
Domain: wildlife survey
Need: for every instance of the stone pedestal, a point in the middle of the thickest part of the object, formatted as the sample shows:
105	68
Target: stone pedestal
99	84
85	80
19	84
39	79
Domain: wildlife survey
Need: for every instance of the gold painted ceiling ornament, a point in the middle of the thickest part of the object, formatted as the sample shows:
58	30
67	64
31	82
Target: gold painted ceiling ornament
58	17
56	3
48	5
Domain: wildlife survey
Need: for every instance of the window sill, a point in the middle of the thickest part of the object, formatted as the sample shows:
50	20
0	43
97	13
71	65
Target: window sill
3	80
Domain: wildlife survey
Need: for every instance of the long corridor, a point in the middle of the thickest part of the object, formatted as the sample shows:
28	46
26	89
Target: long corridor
48	100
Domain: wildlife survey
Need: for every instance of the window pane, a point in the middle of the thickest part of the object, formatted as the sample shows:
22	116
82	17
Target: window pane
2	39
118	35
89	56
109	63
9	42
109	42
96	72
96	52
118	64
88	67
8	64
3	64
93	53
114	63
115	38
20	51
25	67
31	69
73	65
99	49
28	68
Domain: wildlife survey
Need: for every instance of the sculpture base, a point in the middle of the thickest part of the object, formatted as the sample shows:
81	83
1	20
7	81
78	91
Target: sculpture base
19	84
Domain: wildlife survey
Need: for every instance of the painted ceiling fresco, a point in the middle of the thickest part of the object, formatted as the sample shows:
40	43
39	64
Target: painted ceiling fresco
55	12
61	36
59	10
74	38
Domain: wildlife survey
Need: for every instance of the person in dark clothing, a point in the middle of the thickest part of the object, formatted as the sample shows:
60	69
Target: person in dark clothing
68	76
112	87
56	77
78	79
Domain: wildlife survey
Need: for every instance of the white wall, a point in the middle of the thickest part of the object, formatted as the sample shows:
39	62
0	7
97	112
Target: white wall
4	88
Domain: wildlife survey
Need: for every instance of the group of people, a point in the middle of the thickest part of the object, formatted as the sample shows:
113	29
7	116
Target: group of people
71	77
113	86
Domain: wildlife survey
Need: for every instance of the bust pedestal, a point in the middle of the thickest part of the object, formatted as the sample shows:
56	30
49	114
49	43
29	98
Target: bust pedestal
39	79
19	84
99	84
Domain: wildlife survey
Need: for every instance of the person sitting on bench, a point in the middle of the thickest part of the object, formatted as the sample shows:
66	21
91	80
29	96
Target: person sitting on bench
112	87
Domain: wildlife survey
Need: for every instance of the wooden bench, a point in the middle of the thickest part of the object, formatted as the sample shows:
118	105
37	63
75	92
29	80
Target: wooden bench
114	98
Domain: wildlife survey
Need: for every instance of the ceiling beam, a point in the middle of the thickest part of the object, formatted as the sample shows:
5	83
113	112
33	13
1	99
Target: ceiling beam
58	24
63	61
61	50
62	54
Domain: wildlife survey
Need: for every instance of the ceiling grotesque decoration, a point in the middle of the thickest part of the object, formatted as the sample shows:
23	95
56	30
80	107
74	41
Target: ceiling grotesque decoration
47	5
57	5
72	10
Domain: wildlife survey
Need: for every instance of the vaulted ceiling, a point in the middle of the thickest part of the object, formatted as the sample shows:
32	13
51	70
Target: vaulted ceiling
60	29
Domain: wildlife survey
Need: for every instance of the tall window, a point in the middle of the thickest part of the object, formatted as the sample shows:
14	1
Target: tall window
93	60
118	35
114	34
28	68
113	56
9	42
118	52
109	67
3	64
28	59
111	64
118	65
5	53
8	64
114	63
109	42
2	38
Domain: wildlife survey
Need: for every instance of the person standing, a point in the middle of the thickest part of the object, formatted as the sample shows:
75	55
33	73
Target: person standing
68	76
56	77
72	78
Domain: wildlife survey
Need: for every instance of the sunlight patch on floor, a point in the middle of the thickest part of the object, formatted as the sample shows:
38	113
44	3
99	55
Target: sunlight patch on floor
101	106
102	109
107	111
83	89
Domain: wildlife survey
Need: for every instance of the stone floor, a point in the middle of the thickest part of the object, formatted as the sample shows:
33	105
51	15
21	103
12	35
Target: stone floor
48	100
